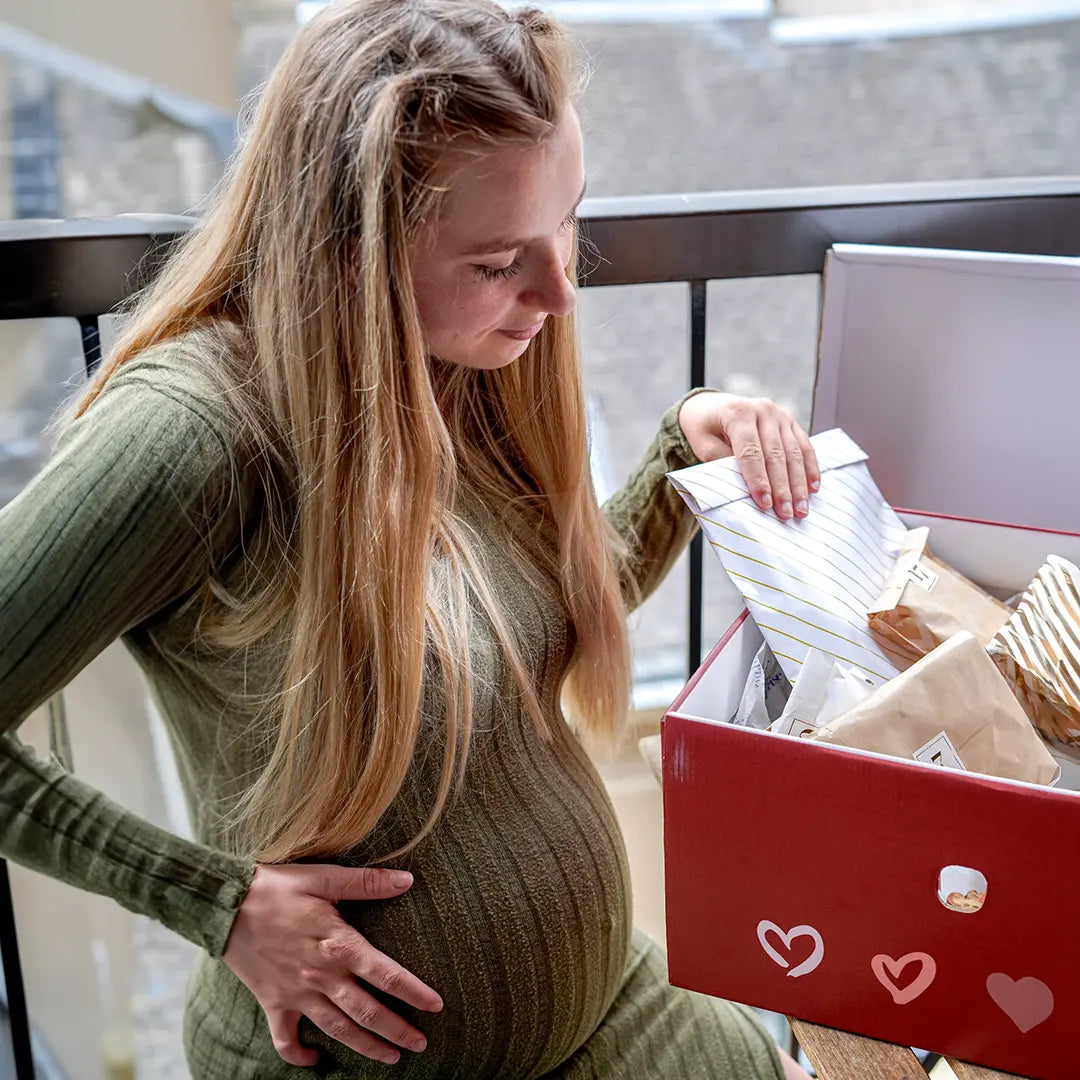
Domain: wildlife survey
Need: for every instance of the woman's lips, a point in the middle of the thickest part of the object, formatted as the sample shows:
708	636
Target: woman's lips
524	335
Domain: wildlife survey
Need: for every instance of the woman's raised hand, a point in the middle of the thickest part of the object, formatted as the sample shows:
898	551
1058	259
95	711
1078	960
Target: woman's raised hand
774	454
296	954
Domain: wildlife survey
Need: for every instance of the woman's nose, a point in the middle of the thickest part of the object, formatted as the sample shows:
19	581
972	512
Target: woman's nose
550	290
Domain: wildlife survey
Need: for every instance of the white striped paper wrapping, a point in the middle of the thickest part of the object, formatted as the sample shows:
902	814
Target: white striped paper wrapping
808	583
1038	651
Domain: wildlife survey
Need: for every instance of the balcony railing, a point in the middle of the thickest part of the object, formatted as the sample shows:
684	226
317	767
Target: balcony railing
85	268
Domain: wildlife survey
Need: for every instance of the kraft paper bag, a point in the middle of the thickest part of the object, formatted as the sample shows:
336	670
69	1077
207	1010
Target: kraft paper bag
1038	652
925	602
956	701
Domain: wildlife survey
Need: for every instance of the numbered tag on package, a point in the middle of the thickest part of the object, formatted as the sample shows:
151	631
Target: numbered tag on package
940	751
923	576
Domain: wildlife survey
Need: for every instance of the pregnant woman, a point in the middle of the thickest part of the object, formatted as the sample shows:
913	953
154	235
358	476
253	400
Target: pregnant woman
332	489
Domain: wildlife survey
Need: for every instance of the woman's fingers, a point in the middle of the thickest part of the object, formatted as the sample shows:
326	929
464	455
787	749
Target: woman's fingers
741	433
284	1030
292	949
350	949
329	1019
795	465
775	457
774	453
389	976
813	469
371	1015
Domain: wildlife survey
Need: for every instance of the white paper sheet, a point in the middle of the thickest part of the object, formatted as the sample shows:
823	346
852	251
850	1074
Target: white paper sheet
824	690
807	583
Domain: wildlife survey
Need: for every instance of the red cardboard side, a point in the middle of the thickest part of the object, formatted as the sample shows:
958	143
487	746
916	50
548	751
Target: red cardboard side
765	835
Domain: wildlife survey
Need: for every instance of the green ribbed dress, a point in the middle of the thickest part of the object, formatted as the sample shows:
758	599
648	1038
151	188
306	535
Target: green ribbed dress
520	915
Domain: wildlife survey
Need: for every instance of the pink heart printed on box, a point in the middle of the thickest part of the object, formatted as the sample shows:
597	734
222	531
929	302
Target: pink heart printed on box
810	963
889	973
1027	1002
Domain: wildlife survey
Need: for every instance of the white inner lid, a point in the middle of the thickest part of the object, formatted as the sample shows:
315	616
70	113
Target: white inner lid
959	374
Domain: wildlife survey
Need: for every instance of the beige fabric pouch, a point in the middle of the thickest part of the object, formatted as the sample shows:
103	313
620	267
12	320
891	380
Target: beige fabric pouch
925	602
956	690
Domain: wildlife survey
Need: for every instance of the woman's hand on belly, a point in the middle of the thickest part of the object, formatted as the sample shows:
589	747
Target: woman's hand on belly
295	953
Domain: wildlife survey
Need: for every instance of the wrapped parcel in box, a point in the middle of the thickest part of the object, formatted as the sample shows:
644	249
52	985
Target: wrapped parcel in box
807	583
953	695
926	602
1038	652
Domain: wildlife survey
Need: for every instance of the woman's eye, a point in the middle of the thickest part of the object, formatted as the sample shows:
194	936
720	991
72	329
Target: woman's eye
571	220
497	273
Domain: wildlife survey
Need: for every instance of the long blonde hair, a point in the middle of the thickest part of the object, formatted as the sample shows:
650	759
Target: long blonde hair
361	439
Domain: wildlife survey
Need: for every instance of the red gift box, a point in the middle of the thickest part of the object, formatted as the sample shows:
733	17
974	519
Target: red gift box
807	879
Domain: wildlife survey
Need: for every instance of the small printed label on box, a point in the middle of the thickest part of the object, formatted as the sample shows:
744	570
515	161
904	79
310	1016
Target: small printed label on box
923	576
940	751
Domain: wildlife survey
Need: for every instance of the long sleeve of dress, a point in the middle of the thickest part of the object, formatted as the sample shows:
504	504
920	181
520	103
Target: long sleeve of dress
649	515
120	523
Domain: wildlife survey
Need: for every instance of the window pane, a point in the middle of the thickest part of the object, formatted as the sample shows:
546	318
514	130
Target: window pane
40	363
635	350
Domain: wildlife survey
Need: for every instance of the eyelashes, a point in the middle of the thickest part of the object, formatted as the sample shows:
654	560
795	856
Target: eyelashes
497	273
502	273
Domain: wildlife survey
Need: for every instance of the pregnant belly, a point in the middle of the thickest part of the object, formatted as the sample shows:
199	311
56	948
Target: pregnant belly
519	917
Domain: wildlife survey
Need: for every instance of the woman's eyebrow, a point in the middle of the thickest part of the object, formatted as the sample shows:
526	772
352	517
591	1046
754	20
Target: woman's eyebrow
490	247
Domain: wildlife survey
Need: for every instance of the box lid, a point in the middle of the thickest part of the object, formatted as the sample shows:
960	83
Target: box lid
959	374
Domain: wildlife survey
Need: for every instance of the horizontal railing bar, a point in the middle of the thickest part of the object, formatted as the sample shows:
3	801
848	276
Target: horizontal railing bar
809	198
84	266
670	238
122	225
632	206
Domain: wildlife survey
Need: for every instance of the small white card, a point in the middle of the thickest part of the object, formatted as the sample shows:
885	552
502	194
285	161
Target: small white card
923	576
940	751
792	725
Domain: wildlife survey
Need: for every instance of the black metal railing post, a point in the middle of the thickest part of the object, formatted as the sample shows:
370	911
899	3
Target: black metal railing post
90	329
699	295
18	1016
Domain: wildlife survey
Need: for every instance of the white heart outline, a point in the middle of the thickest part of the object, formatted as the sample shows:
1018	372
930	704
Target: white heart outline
805	930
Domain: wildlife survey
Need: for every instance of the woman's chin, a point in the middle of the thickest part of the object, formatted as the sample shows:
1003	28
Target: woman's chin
491	356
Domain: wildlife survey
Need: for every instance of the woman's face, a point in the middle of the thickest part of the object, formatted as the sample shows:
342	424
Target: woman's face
494	269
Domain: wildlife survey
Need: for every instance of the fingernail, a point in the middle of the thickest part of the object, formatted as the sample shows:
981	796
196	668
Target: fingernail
766	501
815	485
402	879
437	1007
391	1058
785	509
801	508
418	1045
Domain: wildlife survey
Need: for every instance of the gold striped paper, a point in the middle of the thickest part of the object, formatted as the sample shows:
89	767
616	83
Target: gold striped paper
1038	651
